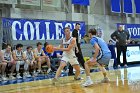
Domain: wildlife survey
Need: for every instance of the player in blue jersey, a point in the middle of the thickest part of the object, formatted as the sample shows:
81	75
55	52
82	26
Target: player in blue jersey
101	57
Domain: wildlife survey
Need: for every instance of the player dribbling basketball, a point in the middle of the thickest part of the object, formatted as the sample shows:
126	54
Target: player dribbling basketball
68	47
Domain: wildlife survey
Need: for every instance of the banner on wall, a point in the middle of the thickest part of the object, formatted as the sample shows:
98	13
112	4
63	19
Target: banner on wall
133	29
81	2
27	29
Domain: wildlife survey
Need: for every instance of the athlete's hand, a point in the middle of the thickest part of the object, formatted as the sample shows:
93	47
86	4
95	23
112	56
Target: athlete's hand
93	60
56	48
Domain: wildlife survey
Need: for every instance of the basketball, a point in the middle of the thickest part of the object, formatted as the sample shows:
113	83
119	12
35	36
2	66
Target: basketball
49	48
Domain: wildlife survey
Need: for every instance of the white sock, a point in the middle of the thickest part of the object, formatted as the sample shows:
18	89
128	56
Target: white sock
88	78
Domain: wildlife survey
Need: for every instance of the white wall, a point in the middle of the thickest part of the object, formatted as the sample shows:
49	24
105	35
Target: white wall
36	14
106	22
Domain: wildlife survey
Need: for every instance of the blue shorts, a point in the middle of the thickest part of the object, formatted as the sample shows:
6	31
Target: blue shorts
104	60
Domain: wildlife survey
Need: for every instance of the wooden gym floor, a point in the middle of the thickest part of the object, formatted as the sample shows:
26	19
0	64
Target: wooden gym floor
122	81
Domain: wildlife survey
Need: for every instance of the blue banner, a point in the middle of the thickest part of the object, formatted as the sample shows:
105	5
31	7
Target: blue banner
28	29
81	2
134	29
116	6
127	4
137	4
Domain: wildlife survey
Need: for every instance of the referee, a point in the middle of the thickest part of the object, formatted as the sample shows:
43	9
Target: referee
79	55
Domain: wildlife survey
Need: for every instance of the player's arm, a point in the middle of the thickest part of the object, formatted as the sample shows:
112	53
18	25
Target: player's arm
77	49
24	56
97	49
114	36
71	45
11	57
14	56
35	55
2	57
61	45
43	55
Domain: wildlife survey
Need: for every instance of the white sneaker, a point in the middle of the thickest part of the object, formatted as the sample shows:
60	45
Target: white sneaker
87	83
125	66
18	76
35	73
39	71
119	66
49	70
4	78
28	74
11	77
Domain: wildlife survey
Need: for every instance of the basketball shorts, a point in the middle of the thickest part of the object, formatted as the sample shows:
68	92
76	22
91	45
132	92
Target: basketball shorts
71	60
105	59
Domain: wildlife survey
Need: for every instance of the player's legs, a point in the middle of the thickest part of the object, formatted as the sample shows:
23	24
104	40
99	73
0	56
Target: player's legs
12	64
75	64
4	64
34	65
18	63
88	65
48	64
26	68
61	67
101	64
77	69
47	60
26	65
39	62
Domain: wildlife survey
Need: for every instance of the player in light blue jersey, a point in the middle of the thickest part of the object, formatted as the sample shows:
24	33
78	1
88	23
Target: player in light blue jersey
101	57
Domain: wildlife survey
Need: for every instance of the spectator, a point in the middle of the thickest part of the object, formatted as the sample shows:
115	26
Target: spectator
122	39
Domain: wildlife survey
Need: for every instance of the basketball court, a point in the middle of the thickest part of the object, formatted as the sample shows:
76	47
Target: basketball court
121	81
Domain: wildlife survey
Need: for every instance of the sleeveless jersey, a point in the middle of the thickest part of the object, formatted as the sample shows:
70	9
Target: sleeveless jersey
29	55
7	56
70	53
19	54
39	53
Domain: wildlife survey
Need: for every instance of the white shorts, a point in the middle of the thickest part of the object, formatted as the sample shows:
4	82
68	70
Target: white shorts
72	60
21	62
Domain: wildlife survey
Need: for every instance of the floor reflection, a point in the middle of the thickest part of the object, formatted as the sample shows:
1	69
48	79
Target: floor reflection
122	81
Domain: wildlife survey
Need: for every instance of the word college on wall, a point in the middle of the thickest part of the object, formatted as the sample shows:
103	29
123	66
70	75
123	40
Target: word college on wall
28	29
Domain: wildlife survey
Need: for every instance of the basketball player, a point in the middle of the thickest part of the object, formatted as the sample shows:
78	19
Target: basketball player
2	67
8	59
31	60
101	57
20	59
41	58
68	47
